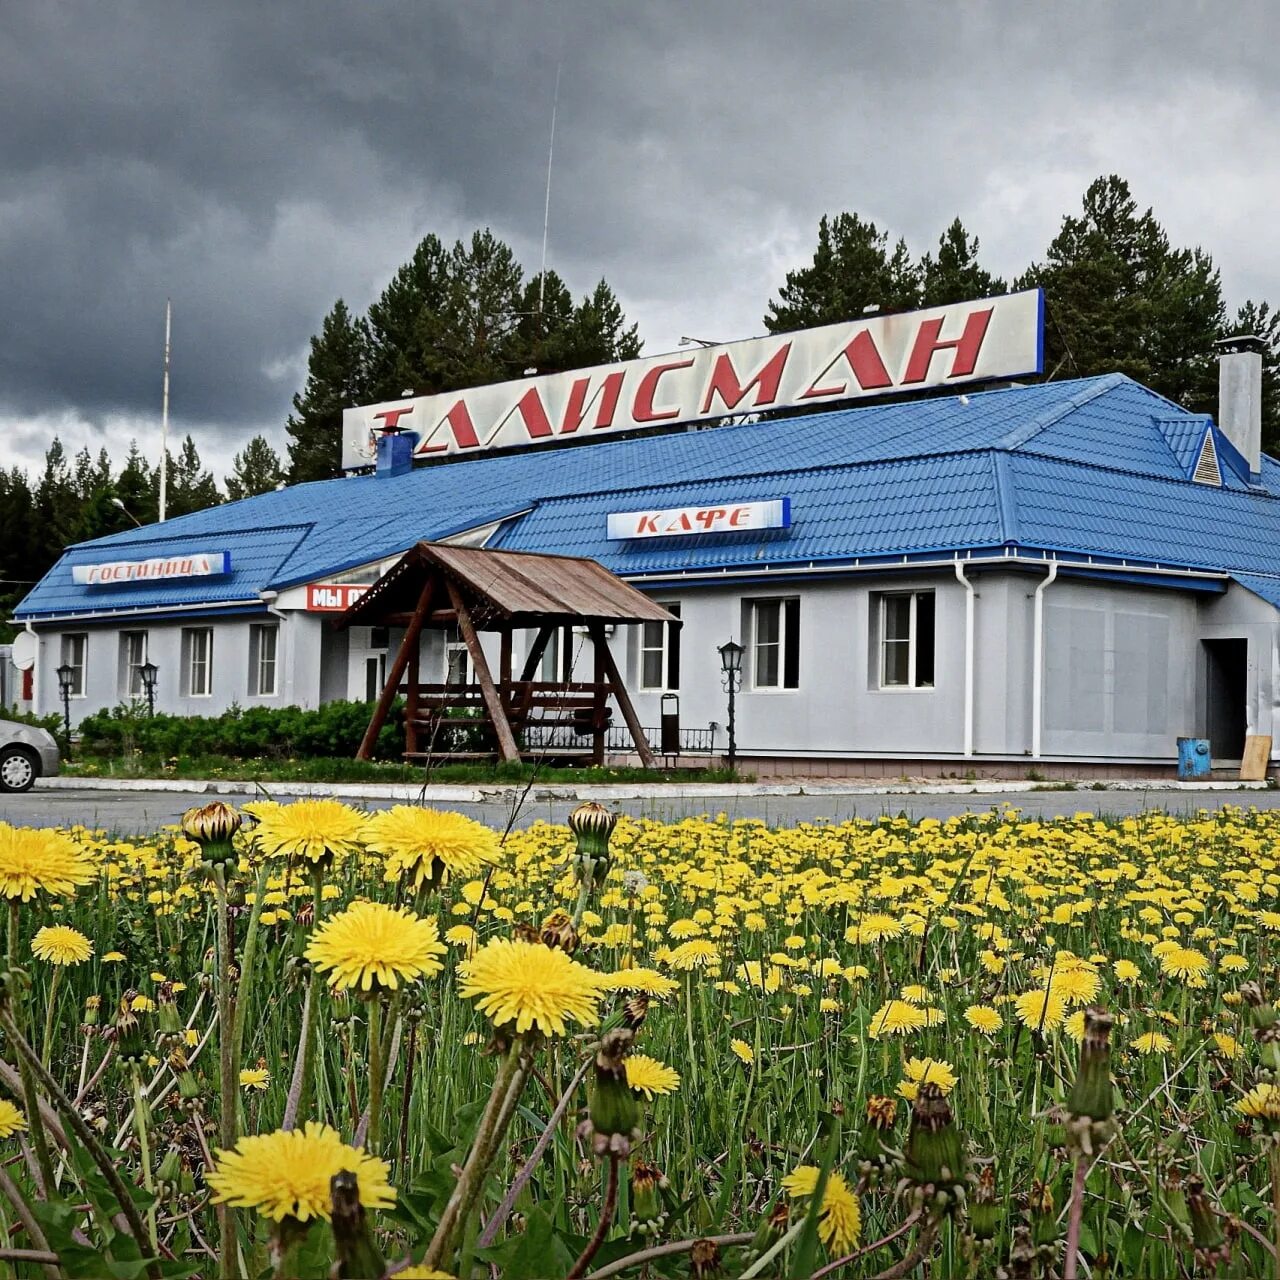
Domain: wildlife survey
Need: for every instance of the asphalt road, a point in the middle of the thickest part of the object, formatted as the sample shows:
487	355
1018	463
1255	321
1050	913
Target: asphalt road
138	813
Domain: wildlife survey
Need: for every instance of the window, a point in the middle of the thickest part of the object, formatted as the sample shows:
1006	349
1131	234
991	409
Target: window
375	664
457	662
660	653
133	657
774	628
197	661
75	648
263	639
558	657
906	622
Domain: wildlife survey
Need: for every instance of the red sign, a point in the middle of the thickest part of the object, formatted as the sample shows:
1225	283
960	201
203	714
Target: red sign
334	597
874	356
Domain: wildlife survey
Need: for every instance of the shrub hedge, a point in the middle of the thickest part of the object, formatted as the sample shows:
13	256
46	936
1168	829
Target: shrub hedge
333	730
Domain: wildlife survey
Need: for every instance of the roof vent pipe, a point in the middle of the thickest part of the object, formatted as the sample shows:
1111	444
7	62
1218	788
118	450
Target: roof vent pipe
1240	395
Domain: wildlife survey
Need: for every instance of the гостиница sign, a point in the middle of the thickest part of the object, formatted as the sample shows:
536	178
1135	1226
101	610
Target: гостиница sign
191	564
877	355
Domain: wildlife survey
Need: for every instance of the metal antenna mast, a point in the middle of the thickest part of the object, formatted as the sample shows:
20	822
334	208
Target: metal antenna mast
546	209
164	417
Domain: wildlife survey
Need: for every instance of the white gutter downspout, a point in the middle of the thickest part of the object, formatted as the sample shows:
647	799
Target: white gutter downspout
1037	664
968	656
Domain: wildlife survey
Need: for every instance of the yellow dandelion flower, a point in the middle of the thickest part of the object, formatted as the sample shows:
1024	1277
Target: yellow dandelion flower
61	945
743	1052
1073	1026
287	1175
524	984
1234	963
1040	1009
1262	1102
648	981
649	1076
307	830
114	957
873	928
422	845
982	1017
11	1119
697	953
1228	1046
1183	963
35	860
371	943
1126	971
896	1018
840	1217
255	1078
1153	1042
926	1070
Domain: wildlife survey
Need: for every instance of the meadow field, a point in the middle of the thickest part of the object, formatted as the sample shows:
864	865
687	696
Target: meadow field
302	1040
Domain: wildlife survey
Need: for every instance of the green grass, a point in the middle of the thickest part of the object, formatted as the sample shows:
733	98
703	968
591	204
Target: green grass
346	770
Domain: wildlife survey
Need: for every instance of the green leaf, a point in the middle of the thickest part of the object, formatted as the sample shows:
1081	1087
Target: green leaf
539	1251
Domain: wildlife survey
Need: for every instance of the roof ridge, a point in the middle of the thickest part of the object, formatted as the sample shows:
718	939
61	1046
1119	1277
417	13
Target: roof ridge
1046	418
1006	498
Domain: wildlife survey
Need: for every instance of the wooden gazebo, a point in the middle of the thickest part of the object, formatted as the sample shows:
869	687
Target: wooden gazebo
441	587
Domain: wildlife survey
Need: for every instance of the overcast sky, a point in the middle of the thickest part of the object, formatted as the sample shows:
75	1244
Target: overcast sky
255	162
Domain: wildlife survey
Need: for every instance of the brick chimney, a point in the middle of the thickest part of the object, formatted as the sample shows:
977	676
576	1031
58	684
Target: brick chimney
1240	396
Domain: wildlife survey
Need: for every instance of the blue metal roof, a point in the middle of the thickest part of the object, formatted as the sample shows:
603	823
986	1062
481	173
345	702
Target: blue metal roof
1097	466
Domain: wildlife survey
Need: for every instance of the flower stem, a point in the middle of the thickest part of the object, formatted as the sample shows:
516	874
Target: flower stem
1273	1158
246	976
79	1126
229	1098
579	1268
46	1048
30	1098
376	1072
141	1119
303	1068
471	1179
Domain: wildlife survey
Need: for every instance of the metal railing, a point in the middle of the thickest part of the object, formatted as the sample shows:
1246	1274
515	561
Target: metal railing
616	738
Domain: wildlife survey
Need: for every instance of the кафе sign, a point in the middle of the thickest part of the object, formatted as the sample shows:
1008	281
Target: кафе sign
878	355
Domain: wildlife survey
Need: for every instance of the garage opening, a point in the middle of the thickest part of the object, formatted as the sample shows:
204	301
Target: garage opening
1226	697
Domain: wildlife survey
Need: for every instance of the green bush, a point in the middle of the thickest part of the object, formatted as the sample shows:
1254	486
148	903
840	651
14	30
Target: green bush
333	730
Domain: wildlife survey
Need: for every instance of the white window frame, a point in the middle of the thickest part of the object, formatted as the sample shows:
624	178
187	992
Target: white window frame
131	670
375	664
257	631
669	638
458	646
912	641
79	684
189	641
754	607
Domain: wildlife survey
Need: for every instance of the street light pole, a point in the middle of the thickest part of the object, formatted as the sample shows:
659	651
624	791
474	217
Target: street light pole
149	673
731	669
66	676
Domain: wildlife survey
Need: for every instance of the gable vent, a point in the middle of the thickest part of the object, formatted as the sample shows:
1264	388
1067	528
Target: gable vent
1207	470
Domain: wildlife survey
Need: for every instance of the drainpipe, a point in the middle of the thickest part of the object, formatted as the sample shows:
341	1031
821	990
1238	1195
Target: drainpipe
968	657
1037	663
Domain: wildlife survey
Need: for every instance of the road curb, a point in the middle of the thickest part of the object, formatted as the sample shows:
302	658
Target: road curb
497	793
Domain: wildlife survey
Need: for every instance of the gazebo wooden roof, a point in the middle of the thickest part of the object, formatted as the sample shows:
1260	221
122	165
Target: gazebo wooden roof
435	586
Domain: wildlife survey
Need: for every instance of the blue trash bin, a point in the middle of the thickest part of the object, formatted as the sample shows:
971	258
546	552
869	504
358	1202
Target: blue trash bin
1193	758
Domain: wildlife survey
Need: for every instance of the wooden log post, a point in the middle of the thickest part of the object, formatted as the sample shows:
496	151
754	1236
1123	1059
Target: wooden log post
488	691
408	646
596	631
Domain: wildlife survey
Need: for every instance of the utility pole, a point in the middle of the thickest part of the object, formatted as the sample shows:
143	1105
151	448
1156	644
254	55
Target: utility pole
164	418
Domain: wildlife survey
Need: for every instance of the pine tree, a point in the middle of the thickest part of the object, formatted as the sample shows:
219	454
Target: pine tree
852	272
56	509
255	470
955	275
137	487
1120	298
191	487
338	377
1258	319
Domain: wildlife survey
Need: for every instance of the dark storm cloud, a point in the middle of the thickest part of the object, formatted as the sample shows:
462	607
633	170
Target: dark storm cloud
255	162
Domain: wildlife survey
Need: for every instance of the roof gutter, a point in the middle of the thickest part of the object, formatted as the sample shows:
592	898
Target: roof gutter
150	610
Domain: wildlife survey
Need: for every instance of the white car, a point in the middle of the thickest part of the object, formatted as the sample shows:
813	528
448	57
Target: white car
26	753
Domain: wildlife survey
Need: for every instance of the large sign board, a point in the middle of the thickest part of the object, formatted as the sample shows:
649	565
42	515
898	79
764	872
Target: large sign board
875	356
193	564
333	597
684	522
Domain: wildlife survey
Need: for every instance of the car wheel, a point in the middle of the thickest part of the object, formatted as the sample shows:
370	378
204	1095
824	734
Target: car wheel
19	769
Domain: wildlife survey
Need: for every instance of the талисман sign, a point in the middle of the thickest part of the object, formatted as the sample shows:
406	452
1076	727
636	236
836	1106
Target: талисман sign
683	522
873	356
191	564
334	597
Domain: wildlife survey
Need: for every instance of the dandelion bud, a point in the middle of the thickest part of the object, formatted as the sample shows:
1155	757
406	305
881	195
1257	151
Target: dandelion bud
169	1174
1091	1104
648	1210
592	824
614	1111
130	1046
92	1012
704	1259
167	1010
634	1010
873	1157
236	894
212	827
984	1212
1211	1246
340	1009
934	1161
558	932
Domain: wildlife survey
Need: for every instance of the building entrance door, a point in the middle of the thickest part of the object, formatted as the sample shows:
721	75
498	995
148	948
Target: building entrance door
1226	697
